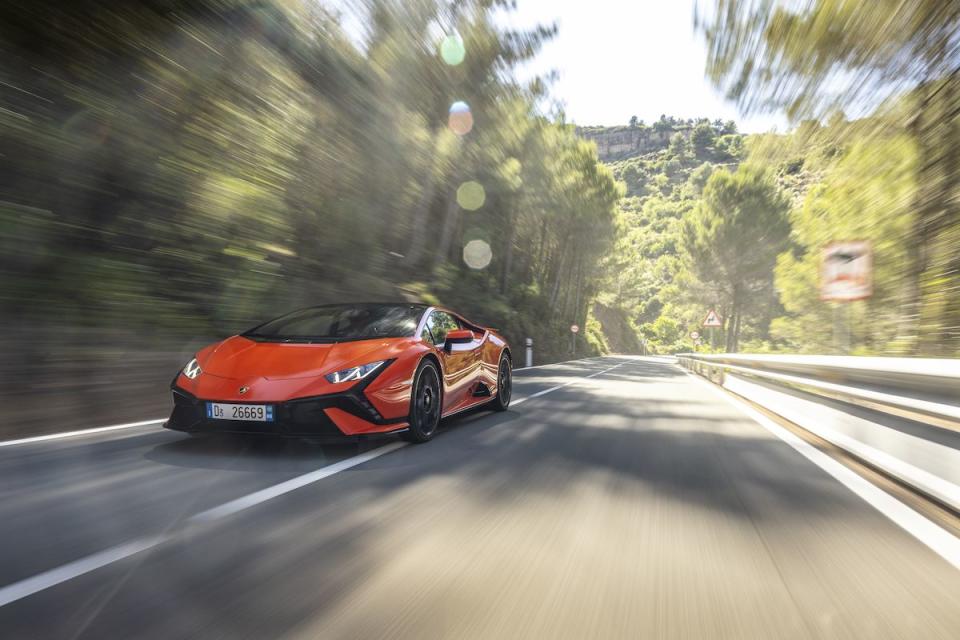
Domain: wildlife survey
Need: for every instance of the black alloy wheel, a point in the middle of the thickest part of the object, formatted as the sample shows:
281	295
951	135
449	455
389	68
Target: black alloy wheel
504	384
425	403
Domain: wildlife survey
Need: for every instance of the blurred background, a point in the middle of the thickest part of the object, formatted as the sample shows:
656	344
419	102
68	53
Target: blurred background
177	171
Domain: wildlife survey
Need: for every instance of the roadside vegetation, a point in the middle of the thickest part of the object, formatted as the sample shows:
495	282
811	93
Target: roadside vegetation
178	171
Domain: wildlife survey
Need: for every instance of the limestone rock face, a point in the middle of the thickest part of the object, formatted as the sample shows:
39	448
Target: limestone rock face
615	143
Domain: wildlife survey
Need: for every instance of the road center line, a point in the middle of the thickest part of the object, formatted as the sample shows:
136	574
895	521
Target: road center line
53	577
82	432
253	499
939	540
561	386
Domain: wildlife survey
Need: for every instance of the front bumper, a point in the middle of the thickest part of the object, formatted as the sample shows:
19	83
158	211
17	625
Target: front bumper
301	417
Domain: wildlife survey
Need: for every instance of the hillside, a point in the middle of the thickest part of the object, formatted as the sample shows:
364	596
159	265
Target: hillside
664	168
636	139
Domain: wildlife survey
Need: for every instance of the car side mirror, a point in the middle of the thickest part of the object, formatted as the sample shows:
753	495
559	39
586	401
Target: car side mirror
457	336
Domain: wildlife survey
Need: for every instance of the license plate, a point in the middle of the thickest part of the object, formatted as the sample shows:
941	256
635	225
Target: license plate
247	412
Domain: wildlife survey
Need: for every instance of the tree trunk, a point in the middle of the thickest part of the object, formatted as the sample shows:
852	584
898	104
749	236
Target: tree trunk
556	282
931	325
507	255
450	220
538	265
418	231
736	333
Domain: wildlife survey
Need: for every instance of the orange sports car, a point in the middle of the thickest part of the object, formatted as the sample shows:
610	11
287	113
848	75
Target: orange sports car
344	370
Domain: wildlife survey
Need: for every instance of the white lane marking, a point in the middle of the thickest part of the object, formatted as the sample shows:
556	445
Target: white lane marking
561	386
253	499
82	432
939	540
51	578
58	575
553	364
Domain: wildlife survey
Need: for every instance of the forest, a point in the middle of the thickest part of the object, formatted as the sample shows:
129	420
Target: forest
739	223
178	171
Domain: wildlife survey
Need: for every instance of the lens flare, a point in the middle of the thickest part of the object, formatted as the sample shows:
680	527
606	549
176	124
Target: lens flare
452	50
471	196
461	119
477	254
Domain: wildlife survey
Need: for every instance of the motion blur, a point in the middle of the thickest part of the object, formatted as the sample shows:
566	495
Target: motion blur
178	171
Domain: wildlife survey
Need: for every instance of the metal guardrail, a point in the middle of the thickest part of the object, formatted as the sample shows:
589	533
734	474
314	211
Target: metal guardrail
919	439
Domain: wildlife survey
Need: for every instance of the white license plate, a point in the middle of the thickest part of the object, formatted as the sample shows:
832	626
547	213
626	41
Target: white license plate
248	412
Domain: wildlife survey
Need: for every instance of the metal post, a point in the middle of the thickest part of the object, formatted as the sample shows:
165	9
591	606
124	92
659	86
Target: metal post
841	327
529	352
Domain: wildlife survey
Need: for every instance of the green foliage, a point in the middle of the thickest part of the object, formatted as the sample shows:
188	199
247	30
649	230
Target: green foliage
192	168
702	138
866	195
733	237
817	59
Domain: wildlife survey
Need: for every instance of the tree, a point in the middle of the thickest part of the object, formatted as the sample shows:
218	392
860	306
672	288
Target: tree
633	121
816	58
732	239
702	138
680	147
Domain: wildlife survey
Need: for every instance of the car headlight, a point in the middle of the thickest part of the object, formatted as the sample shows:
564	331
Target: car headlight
192	370
353	373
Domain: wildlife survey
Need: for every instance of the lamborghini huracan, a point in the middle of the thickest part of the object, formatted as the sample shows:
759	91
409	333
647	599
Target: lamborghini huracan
344	370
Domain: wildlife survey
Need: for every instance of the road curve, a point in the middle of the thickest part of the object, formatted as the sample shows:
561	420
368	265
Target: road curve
620	498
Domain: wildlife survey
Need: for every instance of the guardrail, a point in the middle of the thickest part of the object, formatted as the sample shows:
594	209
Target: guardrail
900	415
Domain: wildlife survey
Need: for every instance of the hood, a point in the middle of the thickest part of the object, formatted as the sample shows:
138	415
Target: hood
240	357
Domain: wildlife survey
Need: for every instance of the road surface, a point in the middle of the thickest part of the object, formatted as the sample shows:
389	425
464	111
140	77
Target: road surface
619	497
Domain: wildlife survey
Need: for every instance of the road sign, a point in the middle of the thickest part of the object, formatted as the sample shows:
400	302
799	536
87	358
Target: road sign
713	319
695	335
575	328
846	271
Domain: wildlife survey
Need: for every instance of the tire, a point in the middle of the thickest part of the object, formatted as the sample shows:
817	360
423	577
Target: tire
504	384
426	401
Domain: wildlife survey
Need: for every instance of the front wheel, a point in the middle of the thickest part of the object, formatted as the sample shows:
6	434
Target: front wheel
424	403
504	384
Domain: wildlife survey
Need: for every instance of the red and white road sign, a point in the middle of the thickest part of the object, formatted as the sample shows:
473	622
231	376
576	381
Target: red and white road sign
695	334
713	319
574	328
846	271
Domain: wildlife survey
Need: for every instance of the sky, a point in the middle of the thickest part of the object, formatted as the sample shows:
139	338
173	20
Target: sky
616	59
619	58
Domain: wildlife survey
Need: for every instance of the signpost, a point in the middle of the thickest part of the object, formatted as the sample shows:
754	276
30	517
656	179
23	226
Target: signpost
846	275
574	330
712	321
846	271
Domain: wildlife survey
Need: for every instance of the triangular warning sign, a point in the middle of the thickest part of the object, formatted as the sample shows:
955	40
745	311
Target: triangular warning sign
712	319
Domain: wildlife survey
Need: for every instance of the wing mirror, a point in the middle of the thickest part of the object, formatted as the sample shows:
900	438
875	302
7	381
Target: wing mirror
457	336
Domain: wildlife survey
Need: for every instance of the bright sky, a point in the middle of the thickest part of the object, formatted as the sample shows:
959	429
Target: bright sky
618	58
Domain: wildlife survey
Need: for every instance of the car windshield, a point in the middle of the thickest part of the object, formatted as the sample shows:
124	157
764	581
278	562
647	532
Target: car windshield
341	322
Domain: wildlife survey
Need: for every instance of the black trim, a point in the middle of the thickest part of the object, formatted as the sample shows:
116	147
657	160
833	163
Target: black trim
300	416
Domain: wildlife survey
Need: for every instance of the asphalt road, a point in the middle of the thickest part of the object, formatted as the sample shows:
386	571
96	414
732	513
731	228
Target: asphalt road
631	503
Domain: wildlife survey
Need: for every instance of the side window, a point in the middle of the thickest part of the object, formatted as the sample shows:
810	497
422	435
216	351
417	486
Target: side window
439	323
436	331
425	334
